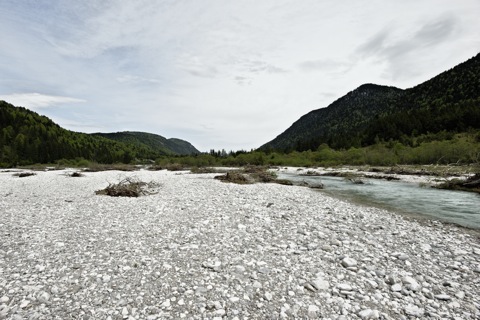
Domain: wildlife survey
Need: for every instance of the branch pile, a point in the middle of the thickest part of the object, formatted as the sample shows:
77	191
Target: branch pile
129	187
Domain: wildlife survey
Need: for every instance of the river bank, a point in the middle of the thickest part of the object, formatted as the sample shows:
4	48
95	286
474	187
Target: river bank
201	248
422	175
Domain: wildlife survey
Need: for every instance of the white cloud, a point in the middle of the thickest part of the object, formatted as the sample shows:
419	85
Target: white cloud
401	50
37	101
135	79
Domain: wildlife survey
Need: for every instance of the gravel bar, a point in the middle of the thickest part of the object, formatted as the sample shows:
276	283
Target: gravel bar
204	249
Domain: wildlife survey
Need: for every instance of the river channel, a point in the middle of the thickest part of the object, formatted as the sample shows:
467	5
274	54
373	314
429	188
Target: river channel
458	207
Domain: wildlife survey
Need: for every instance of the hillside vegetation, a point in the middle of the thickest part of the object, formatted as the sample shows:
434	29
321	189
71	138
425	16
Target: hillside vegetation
152	141
449	102
438	149
27	138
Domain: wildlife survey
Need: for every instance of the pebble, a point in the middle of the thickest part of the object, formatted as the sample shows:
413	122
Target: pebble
166	303
411	284
413	310
396	287
368	314
344	287
349	262
43	297
444	297
313	311
268	296
320	284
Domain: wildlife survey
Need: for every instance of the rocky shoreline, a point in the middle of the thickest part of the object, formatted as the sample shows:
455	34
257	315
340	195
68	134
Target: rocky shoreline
203	249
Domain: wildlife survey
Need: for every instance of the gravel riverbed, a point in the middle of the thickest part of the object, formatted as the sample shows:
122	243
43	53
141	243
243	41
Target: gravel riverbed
203	249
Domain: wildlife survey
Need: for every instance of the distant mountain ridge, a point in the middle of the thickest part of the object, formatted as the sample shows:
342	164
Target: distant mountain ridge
154	141
27	138
449	101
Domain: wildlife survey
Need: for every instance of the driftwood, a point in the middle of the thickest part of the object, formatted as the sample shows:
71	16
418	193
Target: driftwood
129	187
470	184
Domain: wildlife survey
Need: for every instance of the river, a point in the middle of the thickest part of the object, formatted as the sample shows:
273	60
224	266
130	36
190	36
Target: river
458	207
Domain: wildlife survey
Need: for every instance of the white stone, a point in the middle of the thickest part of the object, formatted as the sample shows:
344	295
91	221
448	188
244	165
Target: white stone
344	287
312	311
396	287
369	314
166	303
413	310
411	283
268	296
24	304
43	297
320	284
349	262
444	297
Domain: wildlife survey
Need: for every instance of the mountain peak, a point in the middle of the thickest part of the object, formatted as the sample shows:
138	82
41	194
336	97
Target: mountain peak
352	119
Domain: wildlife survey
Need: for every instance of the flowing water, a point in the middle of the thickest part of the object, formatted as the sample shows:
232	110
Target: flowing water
459	207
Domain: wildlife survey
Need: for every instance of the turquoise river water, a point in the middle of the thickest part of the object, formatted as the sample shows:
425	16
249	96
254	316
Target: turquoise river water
458	207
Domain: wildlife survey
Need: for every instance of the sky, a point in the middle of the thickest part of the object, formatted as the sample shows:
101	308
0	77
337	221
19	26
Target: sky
221	74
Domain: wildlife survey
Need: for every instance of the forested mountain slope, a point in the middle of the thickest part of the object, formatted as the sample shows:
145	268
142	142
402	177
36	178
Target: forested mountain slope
448	102
153	141
27	137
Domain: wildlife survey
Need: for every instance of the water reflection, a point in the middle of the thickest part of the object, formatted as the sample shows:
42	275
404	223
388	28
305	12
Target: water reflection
458	207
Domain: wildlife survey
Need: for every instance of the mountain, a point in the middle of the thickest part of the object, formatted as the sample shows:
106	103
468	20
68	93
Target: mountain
153	141
448	102
348	114
27	137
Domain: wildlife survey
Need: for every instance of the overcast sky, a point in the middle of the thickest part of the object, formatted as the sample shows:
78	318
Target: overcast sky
229	74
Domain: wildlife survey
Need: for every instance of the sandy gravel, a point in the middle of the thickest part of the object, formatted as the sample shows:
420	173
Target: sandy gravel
203	249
